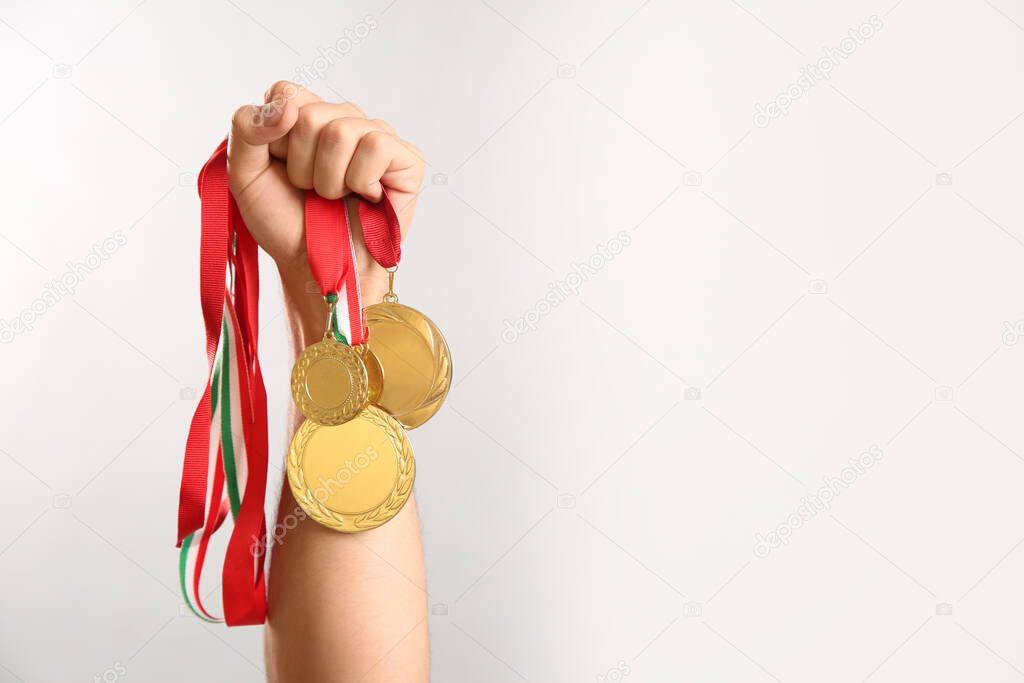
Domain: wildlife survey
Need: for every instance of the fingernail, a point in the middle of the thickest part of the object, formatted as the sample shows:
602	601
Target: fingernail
269	114
376	191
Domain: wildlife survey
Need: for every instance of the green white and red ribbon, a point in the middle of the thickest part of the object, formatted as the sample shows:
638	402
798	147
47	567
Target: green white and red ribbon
228	465
225	467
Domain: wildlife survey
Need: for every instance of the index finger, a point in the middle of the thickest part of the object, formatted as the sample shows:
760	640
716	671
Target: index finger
287	90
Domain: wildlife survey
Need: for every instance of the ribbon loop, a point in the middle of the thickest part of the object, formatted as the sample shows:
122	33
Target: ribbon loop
325	243
332	258
381	231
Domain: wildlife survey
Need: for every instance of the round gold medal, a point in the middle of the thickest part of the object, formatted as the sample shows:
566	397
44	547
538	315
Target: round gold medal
330	384
355	476
414	359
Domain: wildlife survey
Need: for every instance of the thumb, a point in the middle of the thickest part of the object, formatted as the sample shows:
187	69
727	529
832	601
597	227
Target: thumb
253	128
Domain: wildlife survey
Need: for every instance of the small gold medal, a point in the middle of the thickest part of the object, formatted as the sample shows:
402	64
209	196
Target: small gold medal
330	382
414	358
355	476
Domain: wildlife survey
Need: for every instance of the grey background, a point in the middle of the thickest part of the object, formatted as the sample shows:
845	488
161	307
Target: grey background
847	276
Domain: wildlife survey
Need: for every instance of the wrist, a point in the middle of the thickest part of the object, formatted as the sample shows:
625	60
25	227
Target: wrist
304	306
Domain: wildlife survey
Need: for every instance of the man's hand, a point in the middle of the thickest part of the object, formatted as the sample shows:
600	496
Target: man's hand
296	142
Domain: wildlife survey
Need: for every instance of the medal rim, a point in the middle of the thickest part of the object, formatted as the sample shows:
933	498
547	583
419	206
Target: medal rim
432	337
370	519
351	359
374	372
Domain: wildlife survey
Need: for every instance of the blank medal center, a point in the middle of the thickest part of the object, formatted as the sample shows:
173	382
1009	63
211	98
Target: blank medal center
350	468
328	383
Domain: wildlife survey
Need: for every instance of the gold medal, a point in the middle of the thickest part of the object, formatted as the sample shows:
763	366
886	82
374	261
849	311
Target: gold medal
330	383
414	359
355	476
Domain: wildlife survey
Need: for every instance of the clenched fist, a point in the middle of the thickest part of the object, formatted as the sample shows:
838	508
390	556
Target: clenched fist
296	141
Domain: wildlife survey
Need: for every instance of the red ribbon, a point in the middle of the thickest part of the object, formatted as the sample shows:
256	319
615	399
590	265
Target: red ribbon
213	190
381	231
332	259
326	243
244	586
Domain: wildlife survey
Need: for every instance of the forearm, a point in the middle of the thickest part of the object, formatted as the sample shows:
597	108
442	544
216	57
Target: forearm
343	607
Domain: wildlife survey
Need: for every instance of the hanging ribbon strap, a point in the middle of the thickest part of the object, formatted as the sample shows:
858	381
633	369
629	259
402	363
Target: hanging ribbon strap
381	231
332	258
195	475
244	581
225	465
325	242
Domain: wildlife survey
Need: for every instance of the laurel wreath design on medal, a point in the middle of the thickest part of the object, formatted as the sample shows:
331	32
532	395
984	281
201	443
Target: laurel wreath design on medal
440	373
348	523
351	360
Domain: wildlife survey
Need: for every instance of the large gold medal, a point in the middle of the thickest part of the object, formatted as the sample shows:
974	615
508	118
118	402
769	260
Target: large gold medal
414	359
355	476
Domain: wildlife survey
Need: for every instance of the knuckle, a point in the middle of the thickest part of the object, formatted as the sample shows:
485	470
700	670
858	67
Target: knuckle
421	159
383	125
285	89
306	122
355	108
335	133
313	117
374	142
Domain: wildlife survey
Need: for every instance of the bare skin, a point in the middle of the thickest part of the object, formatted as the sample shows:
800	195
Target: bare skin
342	607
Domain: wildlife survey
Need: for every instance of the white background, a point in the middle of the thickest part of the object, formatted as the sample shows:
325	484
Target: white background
791	296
